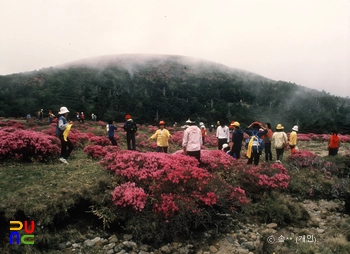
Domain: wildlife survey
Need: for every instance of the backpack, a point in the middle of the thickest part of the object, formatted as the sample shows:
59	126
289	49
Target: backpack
258	142
130	126
58	130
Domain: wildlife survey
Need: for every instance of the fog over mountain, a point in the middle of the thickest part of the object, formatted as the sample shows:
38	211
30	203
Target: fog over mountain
172	88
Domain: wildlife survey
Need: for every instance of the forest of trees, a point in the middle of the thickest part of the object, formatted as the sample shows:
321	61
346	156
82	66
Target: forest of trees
173	90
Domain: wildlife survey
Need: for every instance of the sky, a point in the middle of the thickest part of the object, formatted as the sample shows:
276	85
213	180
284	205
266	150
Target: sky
306	42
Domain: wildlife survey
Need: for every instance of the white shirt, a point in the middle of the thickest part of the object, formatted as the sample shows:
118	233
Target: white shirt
223	132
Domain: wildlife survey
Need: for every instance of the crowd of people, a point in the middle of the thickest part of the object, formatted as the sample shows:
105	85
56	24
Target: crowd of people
261	138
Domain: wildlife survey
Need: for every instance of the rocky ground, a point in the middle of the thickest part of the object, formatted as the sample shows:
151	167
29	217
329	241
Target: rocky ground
248	238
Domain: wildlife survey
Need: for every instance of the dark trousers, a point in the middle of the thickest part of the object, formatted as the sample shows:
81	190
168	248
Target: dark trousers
236	153
332	151
268	153
130	140
162	149
221	141
196	154
203	140
279	152
66	147
112	139
254	156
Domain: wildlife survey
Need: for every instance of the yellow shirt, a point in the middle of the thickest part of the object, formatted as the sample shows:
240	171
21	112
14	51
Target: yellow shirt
162	137
293	138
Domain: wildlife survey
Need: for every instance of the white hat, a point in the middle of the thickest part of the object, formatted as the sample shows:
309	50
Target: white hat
63	110
188	121
224	146
295	128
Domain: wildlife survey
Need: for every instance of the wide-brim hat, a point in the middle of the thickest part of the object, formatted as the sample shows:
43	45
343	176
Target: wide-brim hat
279	127
295	128
63	110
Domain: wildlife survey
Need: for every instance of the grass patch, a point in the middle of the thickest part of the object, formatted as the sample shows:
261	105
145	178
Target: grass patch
47	193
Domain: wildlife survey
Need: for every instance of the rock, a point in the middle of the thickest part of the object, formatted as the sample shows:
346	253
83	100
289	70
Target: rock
109	246
229	239
62	246
110	251
68	244
89	243
127	237
113	239
248	245
165	249
242	251
130	244
183	250
320	230
76	245
144	247
271	225
213	249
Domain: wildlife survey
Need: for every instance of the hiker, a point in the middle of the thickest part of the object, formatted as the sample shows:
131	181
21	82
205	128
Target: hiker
256	131
62	131
279	141
222	134
333	144
293	138
204	133
267	141
225	148
82	117
78	116
93	117
131	129
192	140
237	138
110	128
162	135
51	116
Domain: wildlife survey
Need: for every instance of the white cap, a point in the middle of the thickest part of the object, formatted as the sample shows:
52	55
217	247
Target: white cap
295	128
224	146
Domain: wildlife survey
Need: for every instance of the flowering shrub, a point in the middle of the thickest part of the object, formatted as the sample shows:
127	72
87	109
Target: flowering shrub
13	124
307	159
27	145
263	177
98	152
173	182
127	194
177	137
100	140
216	160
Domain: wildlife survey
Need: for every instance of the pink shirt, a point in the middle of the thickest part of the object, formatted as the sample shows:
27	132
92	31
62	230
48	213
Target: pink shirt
192	139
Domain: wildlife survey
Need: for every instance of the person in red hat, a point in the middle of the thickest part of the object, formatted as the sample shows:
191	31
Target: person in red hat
131	128
162	135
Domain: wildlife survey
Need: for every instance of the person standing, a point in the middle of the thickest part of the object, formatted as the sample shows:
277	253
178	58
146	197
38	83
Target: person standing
279	141
267	141
293	138
110	131
237	138
82	117
333	144
162	135
204	133
192	140
62	131
222	134
256	143
131	128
